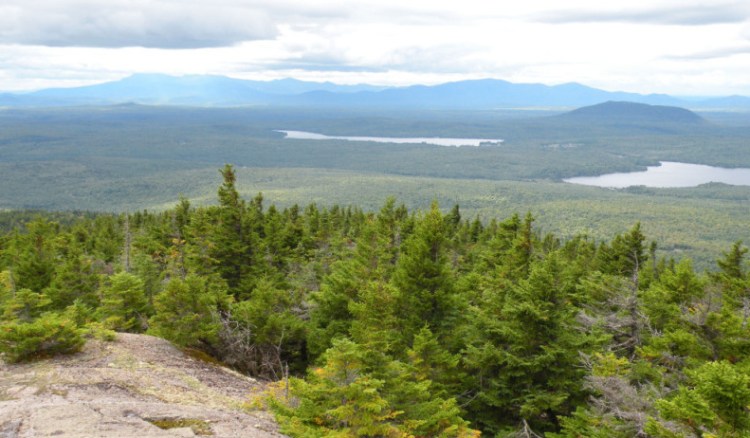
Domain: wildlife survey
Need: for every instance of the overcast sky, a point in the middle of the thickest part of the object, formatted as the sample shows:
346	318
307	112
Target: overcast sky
681	47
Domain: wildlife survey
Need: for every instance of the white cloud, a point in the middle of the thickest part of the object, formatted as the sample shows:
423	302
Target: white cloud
682	47
685	14
127	23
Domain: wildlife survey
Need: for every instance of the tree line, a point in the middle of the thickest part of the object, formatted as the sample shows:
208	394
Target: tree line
399	323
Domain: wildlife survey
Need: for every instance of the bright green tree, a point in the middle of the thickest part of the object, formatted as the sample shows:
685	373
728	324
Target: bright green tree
124	306
187	311
716	401
24	305
339	399
49	334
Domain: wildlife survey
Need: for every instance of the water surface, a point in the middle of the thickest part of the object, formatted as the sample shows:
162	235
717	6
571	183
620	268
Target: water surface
668	174
440	141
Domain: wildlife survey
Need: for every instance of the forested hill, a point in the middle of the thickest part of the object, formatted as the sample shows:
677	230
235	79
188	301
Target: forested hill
400	323
619	112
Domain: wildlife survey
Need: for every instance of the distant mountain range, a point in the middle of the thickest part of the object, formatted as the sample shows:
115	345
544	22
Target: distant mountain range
157	89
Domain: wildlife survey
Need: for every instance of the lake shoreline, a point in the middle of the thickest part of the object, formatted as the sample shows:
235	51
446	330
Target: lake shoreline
437	141
668	174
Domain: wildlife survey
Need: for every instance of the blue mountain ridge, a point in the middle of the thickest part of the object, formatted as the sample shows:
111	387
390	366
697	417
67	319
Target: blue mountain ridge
209	90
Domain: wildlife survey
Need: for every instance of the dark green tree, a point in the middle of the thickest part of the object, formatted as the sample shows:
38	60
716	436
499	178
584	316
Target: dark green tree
526	355
331	315
424	280
234	246
76	277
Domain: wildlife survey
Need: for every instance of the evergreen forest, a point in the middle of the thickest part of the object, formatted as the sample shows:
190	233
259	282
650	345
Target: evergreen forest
126	158
398	322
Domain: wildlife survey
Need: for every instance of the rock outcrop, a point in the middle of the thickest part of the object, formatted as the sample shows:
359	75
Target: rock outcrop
136	386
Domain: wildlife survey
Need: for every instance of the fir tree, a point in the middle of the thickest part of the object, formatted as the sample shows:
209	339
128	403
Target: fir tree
187	311
424	279
124	306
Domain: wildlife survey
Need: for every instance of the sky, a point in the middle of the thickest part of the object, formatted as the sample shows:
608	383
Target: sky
682	47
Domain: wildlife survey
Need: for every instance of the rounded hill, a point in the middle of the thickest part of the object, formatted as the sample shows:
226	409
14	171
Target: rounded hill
619	112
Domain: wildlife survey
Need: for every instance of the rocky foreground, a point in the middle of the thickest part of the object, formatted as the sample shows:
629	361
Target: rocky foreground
136	386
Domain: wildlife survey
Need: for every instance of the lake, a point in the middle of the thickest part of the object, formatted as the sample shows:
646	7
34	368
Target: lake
668	174
439	141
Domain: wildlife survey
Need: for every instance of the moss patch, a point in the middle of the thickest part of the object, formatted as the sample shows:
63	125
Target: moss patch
202	356
199	427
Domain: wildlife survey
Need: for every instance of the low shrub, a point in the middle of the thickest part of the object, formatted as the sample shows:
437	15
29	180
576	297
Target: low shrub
48	335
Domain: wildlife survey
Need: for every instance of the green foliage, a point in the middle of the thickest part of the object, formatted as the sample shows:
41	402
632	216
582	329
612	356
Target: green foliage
343	399
24	306
199	427
423	279
428	408
31	255
526	352
47	335
626	254
732	276
264	333
75	277
187	311
431	361
339	399
343	289
97	330
75	164
124	306
583	423
404	323
732	265
716	401
376	322
234	242
424	412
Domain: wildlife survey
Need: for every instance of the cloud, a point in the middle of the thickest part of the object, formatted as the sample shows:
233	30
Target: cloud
686	15
132	23
444	58
723	52
321	62
187	24
439	58
309	66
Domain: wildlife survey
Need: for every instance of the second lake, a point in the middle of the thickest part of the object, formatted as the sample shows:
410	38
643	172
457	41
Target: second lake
668	174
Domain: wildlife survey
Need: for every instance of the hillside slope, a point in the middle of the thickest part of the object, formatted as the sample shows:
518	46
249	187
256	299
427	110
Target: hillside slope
121	389
633	112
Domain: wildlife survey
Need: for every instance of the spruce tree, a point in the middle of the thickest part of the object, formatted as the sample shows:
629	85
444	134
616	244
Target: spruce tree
75	278
124	306
187	312
331	315
229	242
526	355
424	279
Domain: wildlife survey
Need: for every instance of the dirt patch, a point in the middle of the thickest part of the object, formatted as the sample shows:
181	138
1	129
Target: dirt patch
117	389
